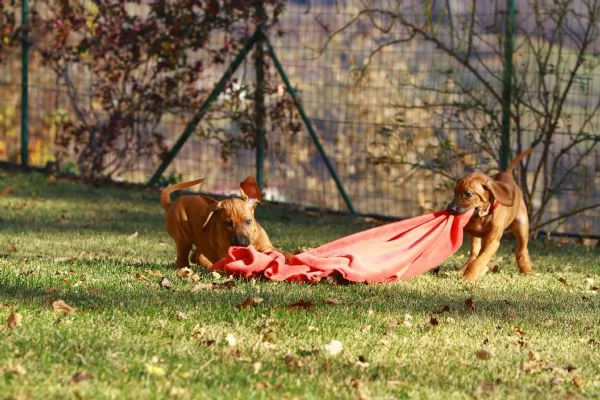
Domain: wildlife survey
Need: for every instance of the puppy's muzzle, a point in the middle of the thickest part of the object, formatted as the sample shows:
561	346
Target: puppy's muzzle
456	209
240	240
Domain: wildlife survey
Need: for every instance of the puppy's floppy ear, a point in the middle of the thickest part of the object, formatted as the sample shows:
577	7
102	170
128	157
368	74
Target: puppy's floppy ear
250	191
503	192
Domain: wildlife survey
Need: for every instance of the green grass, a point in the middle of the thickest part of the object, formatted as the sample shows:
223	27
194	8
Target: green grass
434	337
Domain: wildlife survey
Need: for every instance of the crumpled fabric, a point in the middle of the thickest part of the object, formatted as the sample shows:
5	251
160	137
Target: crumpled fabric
392	252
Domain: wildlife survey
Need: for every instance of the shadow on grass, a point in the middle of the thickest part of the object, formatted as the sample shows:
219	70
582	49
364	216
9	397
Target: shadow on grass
144	295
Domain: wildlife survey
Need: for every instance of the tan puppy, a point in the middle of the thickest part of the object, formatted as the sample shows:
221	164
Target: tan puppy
210	226
498	204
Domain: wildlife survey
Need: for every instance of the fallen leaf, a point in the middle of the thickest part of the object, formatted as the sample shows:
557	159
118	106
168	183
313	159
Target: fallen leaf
14	320
14	370
60	305
577	382
484	390
433	321
517	330
563	281
140	277
80	376
407	321
556	381
230	340
291	361
495	269
184	272
361	362
6	191
256	367
228	284
445	308
62	220
331	300
249	302
12	248
334	347
304	304
484	354
30	272
155	370
470	304
570	368
165	283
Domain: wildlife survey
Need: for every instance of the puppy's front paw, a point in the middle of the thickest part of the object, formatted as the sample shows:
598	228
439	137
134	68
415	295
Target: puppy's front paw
473	272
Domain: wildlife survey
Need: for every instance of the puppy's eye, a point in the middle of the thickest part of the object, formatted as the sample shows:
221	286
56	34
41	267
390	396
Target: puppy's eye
229	224
468	195
247	222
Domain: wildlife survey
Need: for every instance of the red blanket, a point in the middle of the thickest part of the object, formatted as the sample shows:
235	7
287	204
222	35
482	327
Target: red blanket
396	251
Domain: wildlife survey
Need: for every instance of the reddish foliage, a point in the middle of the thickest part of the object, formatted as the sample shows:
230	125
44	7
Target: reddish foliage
129	66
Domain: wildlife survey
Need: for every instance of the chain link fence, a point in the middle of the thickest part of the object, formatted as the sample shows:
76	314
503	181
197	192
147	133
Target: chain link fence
383	102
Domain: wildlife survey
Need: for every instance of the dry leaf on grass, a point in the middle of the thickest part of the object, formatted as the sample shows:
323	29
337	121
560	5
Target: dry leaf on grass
14	370
140	277
61	306
30	272
14	320
563	281
484	354
334	347
249	302
165	283
303	304
154	370
184	272
6	191
150	272
188	273
470	304
517	330
230	340
80	376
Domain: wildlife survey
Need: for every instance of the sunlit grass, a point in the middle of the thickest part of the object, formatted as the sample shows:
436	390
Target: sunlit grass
103	252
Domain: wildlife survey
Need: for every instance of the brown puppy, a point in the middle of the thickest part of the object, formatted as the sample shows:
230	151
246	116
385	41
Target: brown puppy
210	226
498	204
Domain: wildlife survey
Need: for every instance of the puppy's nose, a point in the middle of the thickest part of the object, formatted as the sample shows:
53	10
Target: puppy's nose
240	240
453	208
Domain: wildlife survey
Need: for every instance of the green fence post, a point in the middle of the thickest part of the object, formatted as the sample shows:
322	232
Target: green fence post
25	84
259	97
309	126
509	32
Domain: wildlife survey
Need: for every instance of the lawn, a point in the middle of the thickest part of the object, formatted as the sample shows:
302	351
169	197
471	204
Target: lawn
92	308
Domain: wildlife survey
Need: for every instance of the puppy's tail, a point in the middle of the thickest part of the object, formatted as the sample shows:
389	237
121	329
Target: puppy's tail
518	158
165	195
